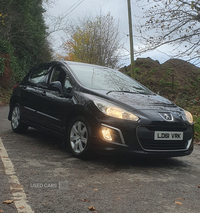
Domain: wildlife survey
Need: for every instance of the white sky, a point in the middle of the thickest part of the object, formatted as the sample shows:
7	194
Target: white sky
74	9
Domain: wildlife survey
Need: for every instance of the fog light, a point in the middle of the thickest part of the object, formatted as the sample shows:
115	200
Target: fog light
106	133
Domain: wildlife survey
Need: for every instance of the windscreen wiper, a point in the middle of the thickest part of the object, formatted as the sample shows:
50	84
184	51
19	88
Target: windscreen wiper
125	91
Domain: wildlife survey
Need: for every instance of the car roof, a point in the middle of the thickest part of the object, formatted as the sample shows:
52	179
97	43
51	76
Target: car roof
81	63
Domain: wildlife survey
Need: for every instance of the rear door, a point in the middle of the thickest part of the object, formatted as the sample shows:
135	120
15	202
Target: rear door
33	91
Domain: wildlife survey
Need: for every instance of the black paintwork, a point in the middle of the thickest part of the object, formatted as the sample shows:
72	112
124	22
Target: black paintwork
51	109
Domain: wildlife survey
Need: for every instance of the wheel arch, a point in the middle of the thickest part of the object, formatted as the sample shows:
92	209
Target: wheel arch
13	102
18	126
85	113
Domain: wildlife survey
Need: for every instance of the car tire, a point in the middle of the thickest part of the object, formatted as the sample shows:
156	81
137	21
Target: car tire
17	125
79	139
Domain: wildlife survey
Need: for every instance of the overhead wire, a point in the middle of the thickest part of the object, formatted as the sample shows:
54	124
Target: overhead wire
64	15
72	8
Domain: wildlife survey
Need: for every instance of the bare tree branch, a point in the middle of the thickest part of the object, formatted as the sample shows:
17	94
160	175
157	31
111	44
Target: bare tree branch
174	22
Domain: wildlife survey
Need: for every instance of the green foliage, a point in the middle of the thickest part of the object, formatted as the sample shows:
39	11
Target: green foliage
195	110
23	35
137	70
5	47
168	72
5	94
162	82
145	65
152	71
197	127
2	67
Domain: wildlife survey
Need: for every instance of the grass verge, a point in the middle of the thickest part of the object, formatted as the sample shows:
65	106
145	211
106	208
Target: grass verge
195	110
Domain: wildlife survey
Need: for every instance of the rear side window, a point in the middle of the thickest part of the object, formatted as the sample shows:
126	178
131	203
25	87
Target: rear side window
40	75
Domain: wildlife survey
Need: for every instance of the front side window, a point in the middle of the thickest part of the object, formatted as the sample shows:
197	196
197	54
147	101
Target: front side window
39	76
58	74
67	83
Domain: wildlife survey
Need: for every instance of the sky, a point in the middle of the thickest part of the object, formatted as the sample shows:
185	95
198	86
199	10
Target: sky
74	9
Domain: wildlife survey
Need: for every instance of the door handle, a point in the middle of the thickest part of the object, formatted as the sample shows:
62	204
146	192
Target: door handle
43	93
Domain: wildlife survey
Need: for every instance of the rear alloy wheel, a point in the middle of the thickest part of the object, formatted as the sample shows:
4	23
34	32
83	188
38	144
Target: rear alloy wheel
16	123
79	137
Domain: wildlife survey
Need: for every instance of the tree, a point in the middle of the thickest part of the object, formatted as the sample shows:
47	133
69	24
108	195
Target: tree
172	22
94	40
22	26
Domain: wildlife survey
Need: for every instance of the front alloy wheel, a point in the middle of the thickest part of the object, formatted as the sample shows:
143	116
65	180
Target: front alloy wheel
79	137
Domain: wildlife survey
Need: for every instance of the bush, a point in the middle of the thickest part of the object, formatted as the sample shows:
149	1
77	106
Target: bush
2	67
18	67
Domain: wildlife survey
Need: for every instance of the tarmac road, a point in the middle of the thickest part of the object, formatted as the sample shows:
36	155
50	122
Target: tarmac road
37	175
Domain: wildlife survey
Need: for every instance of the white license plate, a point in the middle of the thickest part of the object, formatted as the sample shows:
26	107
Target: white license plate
165	135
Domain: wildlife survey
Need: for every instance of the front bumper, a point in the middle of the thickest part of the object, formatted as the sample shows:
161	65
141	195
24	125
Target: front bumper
139	140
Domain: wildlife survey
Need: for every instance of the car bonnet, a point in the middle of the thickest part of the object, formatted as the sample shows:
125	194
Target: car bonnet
142	101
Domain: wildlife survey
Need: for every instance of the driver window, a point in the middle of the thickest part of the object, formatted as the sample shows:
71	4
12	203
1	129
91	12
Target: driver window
58	75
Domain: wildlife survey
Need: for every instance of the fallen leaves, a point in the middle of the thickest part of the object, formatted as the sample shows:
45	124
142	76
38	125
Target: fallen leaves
21	207
180	198
91	208
1	210
198	186
85	200
7	201
95	189
177	202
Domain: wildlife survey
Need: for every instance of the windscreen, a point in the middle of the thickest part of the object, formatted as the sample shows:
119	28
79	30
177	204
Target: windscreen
102	78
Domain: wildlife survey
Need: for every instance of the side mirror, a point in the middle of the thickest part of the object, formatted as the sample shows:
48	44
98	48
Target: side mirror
67	92
56	86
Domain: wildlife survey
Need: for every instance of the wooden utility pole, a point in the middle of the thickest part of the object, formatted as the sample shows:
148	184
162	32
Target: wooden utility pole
131	40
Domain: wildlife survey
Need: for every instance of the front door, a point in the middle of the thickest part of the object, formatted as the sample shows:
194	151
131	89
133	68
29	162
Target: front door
55	106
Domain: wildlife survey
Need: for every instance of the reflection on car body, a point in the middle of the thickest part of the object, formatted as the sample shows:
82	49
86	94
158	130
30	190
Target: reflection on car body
94	107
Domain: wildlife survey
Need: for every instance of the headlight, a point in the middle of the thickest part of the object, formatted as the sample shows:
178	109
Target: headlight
114	111
188	116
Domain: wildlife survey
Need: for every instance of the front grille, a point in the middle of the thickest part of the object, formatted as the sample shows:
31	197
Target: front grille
146	139
164	145
169	128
